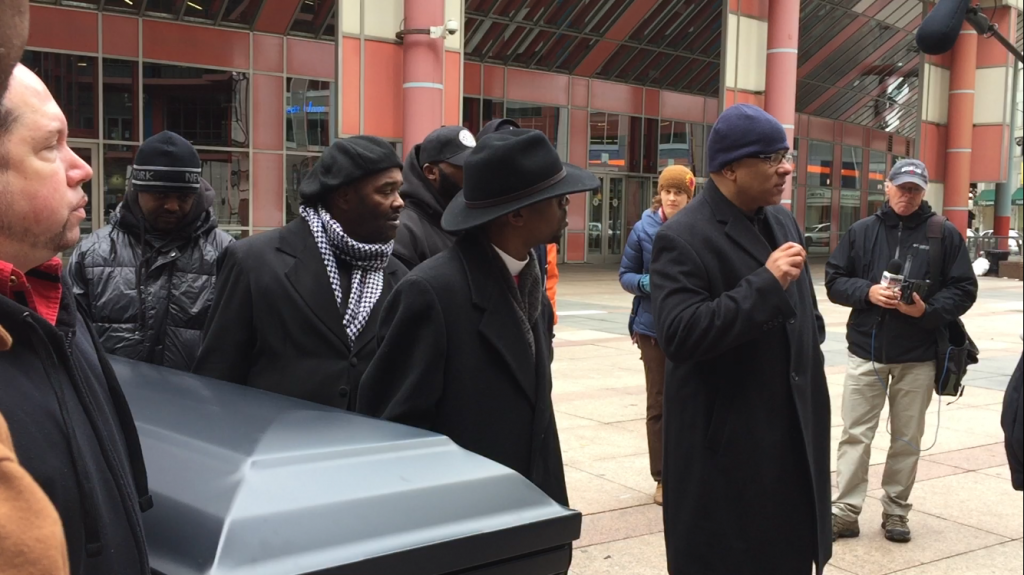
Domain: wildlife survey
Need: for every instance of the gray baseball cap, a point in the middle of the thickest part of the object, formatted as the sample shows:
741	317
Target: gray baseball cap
909	171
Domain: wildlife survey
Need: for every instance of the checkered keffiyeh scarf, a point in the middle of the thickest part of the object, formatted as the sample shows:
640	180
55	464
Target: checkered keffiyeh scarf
368	262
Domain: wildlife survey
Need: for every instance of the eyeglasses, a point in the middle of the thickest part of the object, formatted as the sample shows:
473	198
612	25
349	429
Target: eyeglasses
777	158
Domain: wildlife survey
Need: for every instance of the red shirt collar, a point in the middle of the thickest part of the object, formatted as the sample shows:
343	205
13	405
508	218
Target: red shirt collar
39	289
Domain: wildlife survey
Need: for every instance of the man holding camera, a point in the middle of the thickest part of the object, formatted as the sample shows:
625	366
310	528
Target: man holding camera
892	336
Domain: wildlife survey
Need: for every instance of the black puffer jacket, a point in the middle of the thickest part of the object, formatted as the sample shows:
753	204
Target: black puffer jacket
420	236
858	263
149	300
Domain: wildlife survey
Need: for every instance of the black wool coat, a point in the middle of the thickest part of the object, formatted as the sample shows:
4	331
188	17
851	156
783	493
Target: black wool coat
746	477
276	325
453	359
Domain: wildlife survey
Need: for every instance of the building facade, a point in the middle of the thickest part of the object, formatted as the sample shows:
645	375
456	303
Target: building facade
623	87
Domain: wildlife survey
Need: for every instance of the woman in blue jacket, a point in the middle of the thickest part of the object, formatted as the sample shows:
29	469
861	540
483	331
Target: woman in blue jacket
675	190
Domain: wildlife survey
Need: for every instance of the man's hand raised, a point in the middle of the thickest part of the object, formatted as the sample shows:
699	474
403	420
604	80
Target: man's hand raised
787	263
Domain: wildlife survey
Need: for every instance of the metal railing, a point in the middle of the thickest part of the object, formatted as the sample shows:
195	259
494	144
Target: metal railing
979	246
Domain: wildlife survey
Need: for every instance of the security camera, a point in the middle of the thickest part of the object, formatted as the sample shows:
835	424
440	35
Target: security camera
451	27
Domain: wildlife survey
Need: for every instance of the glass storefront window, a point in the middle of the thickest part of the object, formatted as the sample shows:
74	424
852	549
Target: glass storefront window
608	141
72	81
818	220
308	115
120	100
820	164
875	201
296	168
849	209
228	173
698	138
796	163
471	114
492	110
853	160
674	147
206	107
117	162
552	121
877	172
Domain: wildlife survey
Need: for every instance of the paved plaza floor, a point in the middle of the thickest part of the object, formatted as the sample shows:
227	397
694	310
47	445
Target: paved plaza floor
966	519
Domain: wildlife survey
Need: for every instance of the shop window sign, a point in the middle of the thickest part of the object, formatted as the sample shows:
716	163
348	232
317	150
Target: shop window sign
309	109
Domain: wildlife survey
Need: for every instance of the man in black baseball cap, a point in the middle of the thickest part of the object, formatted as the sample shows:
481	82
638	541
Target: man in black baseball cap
296	308
147	278
433	176
465	339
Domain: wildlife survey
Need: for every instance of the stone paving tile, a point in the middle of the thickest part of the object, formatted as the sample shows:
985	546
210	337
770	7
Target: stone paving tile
926	470
585	351
934	539
973	499
621	524
615	409
638	556
633	471
974	459
1005	559
591	494
597	442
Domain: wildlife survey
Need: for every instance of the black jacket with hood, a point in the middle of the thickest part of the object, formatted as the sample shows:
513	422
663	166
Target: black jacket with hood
149	294
860	259
420	236
75	435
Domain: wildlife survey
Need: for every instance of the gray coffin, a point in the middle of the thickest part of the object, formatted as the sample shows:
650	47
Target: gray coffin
247	482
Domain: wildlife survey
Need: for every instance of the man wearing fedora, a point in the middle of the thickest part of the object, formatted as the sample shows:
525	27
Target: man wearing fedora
746	418
296	308
465	340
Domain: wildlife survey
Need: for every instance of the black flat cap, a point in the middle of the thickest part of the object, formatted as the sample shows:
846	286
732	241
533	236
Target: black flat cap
347	161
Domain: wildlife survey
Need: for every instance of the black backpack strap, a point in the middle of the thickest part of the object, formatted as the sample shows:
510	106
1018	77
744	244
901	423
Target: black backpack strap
935	224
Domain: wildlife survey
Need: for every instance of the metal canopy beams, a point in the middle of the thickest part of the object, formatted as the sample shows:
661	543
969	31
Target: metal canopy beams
671	44
859	62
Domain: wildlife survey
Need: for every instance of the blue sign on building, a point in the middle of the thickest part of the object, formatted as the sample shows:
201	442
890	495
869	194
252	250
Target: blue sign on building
309	109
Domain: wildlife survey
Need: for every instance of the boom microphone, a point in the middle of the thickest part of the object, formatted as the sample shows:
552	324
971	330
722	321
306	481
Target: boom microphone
941	27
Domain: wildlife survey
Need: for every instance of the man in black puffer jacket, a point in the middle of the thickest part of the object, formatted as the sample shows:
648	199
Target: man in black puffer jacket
146	280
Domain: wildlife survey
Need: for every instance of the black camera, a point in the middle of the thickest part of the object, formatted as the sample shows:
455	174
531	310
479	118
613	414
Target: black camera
910	287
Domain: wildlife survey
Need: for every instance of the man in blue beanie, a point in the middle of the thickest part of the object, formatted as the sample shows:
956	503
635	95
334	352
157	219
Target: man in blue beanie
746	416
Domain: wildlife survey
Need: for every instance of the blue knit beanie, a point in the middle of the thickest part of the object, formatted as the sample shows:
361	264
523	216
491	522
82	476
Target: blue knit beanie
744	131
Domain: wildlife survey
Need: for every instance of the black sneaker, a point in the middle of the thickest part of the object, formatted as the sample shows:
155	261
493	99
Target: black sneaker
896	528
842	529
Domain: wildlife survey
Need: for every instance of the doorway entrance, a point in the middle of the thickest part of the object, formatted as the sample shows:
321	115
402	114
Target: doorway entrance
605	222
90	154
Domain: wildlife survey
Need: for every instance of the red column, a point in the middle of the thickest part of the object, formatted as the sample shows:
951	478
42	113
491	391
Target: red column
961	128
423	72
781	66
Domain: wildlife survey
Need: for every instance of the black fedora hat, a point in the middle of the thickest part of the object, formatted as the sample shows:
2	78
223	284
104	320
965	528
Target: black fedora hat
509	170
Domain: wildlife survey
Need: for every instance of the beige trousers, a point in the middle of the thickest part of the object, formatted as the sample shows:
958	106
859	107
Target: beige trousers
910	387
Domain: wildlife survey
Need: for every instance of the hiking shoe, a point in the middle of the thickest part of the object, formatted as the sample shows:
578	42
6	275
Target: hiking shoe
842	529
896	528
658	495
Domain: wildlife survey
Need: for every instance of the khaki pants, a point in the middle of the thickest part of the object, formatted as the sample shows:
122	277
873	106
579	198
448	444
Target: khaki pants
654	370
910	387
